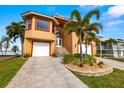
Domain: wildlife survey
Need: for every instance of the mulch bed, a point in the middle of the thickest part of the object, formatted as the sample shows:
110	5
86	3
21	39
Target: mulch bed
94	70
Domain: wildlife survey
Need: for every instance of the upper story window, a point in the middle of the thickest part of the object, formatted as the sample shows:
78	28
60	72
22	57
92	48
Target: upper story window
42	25
28	24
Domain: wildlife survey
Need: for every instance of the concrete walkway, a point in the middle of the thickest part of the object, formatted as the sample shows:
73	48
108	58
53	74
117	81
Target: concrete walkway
44	72
113	63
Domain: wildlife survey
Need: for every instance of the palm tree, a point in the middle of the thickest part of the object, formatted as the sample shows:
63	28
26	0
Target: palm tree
81	25
75	25
91	29
15	49
110	43
16	30
6	41
1	44
91	33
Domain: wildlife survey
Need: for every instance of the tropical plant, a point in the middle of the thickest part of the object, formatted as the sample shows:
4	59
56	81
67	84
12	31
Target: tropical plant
6	41
90	60
73	59
91	29
110	43
81	25
15	48
16	30
1	44
75	25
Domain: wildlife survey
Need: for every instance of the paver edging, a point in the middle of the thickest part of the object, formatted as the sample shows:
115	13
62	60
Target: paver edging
102	73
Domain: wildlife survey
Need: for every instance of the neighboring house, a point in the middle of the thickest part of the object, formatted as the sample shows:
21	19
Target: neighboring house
44	37
116	50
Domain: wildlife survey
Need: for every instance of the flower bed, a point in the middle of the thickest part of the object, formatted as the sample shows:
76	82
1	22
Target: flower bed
89	66
87	70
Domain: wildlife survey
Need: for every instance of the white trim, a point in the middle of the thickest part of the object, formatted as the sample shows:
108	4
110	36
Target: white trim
63	18
42	15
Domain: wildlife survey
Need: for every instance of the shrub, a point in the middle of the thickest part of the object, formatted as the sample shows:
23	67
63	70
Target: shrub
75	59
27	55
68	58
72	58
98	54
89	59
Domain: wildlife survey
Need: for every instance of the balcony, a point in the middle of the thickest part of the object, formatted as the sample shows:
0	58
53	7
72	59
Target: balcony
39	35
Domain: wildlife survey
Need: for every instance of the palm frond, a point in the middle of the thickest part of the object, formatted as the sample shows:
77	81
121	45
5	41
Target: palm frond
96	27
91	13
76	15
70	26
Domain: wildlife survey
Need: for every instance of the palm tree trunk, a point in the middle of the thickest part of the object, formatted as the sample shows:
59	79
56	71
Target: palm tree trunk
86	47
5	50
22	46
81	53
22	42
1	51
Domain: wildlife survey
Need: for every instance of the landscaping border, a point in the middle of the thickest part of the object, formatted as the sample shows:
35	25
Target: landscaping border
92	73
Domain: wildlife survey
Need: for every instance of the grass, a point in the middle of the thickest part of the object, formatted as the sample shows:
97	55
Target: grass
113	80
8	69
118	59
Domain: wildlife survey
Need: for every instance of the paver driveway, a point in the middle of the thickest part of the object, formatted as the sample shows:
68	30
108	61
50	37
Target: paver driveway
40	72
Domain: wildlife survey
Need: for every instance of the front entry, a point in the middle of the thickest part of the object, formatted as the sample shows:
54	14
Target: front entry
58	42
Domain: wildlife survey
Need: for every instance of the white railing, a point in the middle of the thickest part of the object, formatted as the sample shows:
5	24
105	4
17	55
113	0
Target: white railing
10	53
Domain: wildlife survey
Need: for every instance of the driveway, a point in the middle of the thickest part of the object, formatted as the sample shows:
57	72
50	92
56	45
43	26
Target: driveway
113	63
44	72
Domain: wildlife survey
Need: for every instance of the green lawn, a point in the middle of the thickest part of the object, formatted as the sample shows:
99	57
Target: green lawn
118	59
8	68
113	80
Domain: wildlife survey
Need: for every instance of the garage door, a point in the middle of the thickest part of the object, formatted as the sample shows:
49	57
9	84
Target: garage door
40	49
89	50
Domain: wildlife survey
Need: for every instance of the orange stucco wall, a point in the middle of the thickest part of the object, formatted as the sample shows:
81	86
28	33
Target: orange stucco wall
72	41
67	42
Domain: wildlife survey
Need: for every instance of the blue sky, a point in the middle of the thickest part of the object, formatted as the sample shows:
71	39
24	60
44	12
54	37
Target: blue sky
112	17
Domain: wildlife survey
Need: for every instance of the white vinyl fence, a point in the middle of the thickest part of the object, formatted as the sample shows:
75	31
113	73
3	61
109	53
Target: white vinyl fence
10	53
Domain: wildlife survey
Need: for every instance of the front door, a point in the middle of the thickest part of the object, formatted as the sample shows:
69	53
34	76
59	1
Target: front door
58	42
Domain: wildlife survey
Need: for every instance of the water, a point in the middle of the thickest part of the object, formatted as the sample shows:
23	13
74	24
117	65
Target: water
10	53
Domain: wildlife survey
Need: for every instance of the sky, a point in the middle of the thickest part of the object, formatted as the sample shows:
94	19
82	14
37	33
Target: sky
112	17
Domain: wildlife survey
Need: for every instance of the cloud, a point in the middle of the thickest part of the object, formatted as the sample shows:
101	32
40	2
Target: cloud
115	22
90	6
116	11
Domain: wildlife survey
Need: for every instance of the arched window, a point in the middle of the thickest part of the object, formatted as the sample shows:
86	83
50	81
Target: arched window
59	34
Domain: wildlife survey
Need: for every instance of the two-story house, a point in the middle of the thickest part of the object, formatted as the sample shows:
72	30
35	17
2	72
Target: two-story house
43	35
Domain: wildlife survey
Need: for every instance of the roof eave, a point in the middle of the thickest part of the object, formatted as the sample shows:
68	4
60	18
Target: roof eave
31	12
